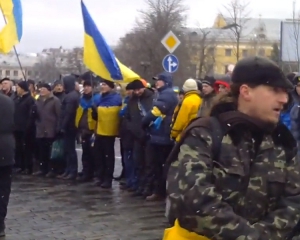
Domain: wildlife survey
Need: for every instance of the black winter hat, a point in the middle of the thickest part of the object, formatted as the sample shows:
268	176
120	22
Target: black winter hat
87	76
87	82
109	83
136	84
45	85
24	85
260	71
209	81
129	86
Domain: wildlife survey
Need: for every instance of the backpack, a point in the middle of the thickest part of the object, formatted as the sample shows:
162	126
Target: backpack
217	134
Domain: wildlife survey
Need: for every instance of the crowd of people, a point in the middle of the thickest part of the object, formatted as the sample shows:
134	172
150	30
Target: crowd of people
149	120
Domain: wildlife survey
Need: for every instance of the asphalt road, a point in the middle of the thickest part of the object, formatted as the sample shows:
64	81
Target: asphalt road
43	209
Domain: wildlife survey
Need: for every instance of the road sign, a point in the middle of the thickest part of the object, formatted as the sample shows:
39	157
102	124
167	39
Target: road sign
170	42
170	63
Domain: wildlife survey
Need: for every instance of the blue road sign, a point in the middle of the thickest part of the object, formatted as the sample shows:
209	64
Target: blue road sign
170	63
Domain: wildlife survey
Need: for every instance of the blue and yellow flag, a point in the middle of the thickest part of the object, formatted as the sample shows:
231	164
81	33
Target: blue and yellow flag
99	57
11	33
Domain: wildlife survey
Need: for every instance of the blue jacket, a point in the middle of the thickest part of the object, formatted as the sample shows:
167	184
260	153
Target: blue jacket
164	107
295	117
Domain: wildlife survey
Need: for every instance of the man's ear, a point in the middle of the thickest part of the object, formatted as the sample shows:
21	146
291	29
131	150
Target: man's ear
245	92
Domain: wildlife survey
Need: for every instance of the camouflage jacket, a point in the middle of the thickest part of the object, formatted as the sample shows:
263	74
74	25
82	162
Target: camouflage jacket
248	194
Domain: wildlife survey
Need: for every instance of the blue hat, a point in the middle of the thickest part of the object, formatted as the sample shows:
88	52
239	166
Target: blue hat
165	77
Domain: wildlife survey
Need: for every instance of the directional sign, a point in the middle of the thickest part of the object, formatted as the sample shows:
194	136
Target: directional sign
170	42
170	63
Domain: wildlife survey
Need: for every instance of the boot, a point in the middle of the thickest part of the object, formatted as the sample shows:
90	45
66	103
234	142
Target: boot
39	174
84	178
106	185
2	233
154	198
51	174
62	175
70	177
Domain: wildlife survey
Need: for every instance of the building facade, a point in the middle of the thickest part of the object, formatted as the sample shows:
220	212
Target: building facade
214	49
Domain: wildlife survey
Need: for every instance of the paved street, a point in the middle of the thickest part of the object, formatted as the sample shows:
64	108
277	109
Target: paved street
54	209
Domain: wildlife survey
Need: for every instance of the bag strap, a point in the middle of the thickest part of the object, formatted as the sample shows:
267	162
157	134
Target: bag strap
210	123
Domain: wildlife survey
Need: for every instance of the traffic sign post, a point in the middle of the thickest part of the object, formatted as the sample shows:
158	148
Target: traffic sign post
170	63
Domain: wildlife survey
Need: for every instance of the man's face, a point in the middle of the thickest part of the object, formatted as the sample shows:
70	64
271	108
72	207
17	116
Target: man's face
59	88
31	87
20	91
206	89
159	84
105	88
138	92
223	89
264	102
87	89
6	85
180	97
44	92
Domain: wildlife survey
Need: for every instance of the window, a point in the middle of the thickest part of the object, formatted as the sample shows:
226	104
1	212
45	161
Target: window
29	73
228	52
261	52
7	73
16	73
245	53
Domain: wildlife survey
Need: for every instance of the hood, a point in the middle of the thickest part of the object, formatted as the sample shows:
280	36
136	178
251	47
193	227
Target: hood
69	83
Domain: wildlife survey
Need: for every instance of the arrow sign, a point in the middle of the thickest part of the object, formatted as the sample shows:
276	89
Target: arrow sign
170	63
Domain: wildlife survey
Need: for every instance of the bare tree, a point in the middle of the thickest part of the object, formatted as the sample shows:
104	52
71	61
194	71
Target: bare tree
143	44
47	69
73	61
295	33
203	41
238	12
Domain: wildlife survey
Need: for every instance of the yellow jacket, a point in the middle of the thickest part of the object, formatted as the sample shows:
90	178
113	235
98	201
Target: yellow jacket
108	121
90	120
185	112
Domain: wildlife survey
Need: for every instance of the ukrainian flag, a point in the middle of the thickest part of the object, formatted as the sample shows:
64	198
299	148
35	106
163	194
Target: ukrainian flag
98	56
12	32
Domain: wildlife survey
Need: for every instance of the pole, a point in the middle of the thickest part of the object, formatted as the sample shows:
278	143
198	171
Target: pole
15	50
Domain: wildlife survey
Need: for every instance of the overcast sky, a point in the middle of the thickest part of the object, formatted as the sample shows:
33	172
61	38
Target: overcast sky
54	23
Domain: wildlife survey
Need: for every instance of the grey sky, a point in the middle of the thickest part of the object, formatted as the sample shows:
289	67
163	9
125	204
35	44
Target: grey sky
54	23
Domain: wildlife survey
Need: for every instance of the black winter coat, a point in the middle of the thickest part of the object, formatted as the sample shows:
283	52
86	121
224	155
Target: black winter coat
7	141
23	117
69	106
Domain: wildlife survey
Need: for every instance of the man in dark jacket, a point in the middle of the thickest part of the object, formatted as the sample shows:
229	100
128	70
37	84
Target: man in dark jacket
138	105
48	112
208	94
24	129
158	123
67	127
7	147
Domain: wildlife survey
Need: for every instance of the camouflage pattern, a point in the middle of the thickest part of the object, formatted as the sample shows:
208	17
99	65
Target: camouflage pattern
238	197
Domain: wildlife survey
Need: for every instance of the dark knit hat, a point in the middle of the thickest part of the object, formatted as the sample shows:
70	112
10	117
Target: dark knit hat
24	85
30	81
87	76
137	84
209	81
45	85
87	82
57	82
109	83
129	86
260	71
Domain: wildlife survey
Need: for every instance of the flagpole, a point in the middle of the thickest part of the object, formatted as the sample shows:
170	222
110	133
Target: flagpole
15	50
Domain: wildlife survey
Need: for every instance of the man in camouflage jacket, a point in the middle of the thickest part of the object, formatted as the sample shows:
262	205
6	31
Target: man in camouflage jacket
252	190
